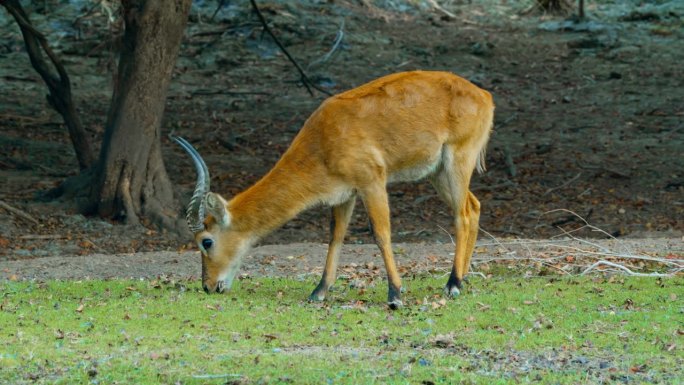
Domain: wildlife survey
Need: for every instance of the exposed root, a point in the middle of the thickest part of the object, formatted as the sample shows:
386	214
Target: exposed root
126	200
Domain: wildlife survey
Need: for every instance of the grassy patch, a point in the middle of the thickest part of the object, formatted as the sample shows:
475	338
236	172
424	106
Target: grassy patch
500	331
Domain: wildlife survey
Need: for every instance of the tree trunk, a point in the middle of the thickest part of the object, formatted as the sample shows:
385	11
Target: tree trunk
130	178
557	7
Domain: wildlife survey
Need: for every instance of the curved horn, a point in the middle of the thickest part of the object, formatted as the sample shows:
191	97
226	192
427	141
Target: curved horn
195	213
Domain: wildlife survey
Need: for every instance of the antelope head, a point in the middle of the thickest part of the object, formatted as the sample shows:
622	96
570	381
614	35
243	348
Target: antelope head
209	219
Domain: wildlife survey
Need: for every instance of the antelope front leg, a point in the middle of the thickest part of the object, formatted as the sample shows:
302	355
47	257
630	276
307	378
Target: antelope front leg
341	215
377	206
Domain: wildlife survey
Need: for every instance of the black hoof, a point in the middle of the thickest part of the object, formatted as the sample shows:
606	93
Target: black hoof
319	293
395	304
454	286
452	292
394	298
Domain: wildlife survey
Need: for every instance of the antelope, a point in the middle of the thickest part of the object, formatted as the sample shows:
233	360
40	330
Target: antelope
401	127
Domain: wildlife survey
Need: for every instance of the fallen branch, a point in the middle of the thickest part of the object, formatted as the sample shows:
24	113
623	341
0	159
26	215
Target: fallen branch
586	223
553	254
673	262
305	79
43	236
614	172
438	7
579	174
20	213
623	268
477	273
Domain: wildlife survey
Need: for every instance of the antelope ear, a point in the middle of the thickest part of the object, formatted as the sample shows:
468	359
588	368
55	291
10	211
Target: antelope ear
218	208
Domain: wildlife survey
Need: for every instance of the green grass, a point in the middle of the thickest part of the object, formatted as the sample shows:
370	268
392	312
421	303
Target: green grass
512	330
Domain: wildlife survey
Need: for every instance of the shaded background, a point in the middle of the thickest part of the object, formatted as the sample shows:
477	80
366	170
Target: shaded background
590	116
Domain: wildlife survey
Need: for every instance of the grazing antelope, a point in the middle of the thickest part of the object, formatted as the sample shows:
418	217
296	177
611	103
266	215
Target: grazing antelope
401	127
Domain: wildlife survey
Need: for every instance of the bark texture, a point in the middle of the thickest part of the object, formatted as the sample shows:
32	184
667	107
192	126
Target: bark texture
131	180
558	7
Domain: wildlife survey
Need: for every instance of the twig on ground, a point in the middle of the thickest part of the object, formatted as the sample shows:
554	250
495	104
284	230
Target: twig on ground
449	234
212	376
336	44
586	224
557	251
612	171
579	174
496	241
20	213
305	79
220	6
43	236
479	274
623	268
673	262
438	7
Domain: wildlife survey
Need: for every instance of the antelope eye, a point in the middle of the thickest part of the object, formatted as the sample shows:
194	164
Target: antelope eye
207	243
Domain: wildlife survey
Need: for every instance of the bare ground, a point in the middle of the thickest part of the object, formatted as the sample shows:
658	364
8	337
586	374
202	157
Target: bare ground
514	256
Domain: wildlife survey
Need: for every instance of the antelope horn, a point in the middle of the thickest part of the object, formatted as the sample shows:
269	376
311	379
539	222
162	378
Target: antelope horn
195	213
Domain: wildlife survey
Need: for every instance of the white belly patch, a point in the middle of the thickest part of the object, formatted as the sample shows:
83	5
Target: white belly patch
417	172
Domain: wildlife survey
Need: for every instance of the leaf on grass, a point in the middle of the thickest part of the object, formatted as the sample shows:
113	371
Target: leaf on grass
443	340
80	307
483	307
155	356
437	304
542	322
